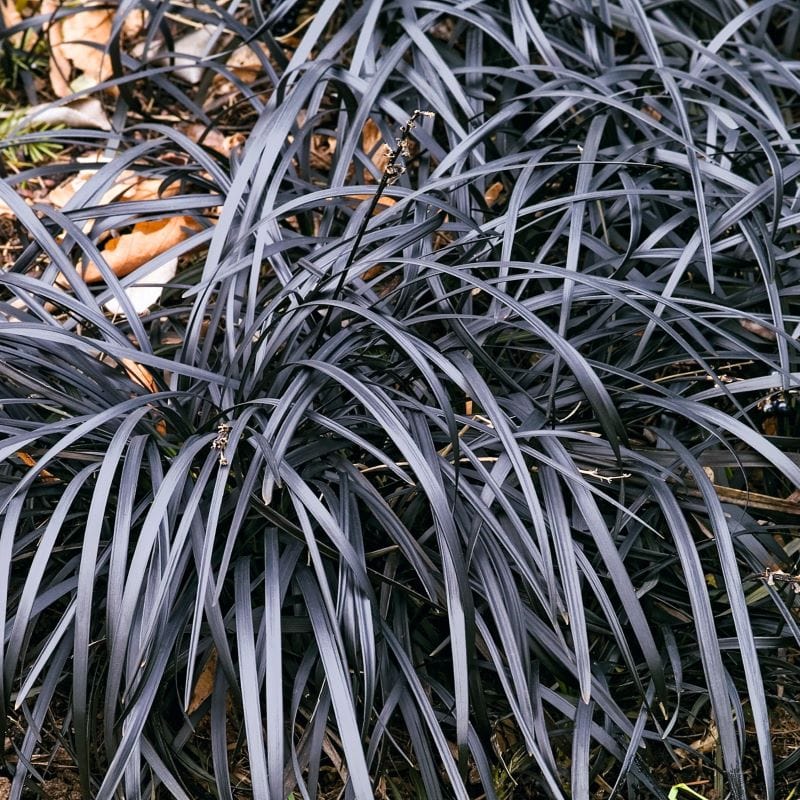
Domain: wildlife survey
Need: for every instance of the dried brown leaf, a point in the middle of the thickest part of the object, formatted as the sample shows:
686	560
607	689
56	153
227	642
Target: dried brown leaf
383	200
129	185
653	112
374	147
708	742
373	272
60	66
140	374
147	240
214	139
10	13
322	150
770	426
245	64
135	187
204	685
78	42
29	461
11	16
758	329
493	193
134	23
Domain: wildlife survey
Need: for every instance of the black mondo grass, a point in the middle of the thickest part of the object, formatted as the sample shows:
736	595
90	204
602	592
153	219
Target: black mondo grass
453	462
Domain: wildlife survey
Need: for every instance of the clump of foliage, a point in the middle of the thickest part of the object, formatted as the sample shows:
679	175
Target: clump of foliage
478	489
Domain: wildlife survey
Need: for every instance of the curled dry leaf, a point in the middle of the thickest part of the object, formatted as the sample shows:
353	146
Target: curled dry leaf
140	374
493	193
758	329
147	240
769	426
708	742
373	272
78	41
653	112
29	461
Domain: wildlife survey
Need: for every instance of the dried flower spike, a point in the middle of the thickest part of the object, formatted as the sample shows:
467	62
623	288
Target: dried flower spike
394	169
221	442
391	173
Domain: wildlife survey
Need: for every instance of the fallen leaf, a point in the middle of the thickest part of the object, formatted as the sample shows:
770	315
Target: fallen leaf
321	151
245	63
147	240
78	42
190	52
11	17
60	195
383	200
373	145
708	742
292	39
60	67
86	112
493	193
134	23
443	29
146	292
770	426
10	13
140	374
373	272
758	329
652	112
212	138
129	185
204	685
29	461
